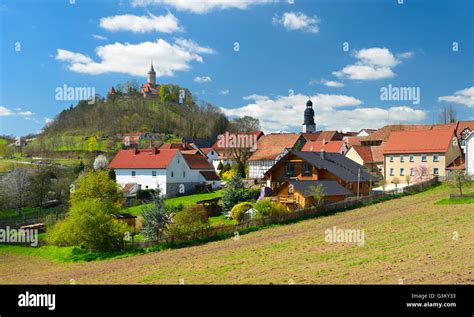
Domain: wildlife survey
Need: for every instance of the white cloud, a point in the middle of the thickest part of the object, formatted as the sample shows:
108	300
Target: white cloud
25	113
48	121
325	82
372	63
99	37
134	59
286	113
298	21
224	92
5	112
201	6
64	55
202	79
142	24
464	97
405	55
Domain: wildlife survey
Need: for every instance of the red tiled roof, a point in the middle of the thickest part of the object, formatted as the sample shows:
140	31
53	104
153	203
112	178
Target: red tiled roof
364	152
317	146
143	158
383	133
322	135
210	175
462	125
197	161
206	150
270	145
424	141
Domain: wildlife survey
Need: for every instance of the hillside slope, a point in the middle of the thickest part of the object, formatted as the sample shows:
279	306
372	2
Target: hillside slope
408	239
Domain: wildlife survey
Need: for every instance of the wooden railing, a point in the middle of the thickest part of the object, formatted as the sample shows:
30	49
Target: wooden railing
287	199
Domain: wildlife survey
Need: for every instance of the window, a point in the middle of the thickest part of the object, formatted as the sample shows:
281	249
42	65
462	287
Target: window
435	157
172	174
391	171
435	171
134	174
349	185
307	169
290	169
412	171
412	158
184	173
402	158
424	158
153	173
391	158
402	171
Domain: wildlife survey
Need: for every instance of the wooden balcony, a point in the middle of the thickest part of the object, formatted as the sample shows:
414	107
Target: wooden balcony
287	199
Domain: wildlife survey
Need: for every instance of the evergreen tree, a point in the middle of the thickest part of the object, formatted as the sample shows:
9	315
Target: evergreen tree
156	218
234	193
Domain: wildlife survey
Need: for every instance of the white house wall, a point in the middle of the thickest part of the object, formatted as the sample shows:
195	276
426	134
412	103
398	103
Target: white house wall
470	154
143	177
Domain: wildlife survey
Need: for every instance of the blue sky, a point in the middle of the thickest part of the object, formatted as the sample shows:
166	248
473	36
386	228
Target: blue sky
287	52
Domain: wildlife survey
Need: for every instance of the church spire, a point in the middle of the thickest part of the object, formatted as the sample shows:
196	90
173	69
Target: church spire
151	75
309	126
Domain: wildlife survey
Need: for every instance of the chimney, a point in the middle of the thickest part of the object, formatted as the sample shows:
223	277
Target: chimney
321	154
324	141
155	150
135	150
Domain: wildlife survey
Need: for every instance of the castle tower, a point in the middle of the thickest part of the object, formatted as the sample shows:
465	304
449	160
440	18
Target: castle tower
309	126
151	75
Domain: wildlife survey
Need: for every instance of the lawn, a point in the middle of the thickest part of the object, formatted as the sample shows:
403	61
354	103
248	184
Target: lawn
188	200
409	239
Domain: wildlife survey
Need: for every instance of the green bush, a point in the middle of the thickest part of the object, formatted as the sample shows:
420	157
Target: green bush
188	223
263	207
145	194
239	210
266	207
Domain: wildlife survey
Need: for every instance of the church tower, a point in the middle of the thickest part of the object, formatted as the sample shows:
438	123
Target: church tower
152	75
309	126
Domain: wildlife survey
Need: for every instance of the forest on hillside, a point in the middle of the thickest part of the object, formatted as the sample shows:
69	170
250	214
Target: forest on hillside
128	111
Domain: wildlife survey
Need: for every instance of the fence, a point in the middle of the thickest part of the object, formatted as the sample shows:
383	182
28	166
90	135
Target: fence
229	230
31	219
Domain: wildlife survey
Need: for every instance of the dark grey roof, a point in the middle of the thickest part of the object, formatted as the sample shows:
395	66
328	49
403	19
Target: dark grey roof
199	142
337	164
331	188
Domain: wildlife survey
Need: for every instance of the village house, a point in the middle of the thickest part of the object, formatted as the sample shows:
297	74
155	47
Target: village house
433	149
370	156
270	148
229	144
293	175
174	172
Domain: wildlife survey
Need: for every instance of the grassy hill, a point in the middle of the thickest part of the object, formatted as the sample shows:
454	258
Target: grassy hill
410	240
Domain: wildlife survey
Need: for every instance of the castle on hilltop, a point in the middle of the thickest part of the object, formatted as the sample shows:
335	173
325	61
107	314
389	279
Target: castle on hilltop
148	90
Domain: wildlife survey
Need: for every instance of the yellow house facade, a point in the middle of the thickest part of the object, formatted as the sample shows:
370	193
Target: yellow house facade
419	154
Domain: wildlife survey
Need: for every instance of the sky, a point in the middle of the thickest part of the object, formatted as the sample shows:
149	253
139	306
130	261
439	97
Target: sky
260	58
